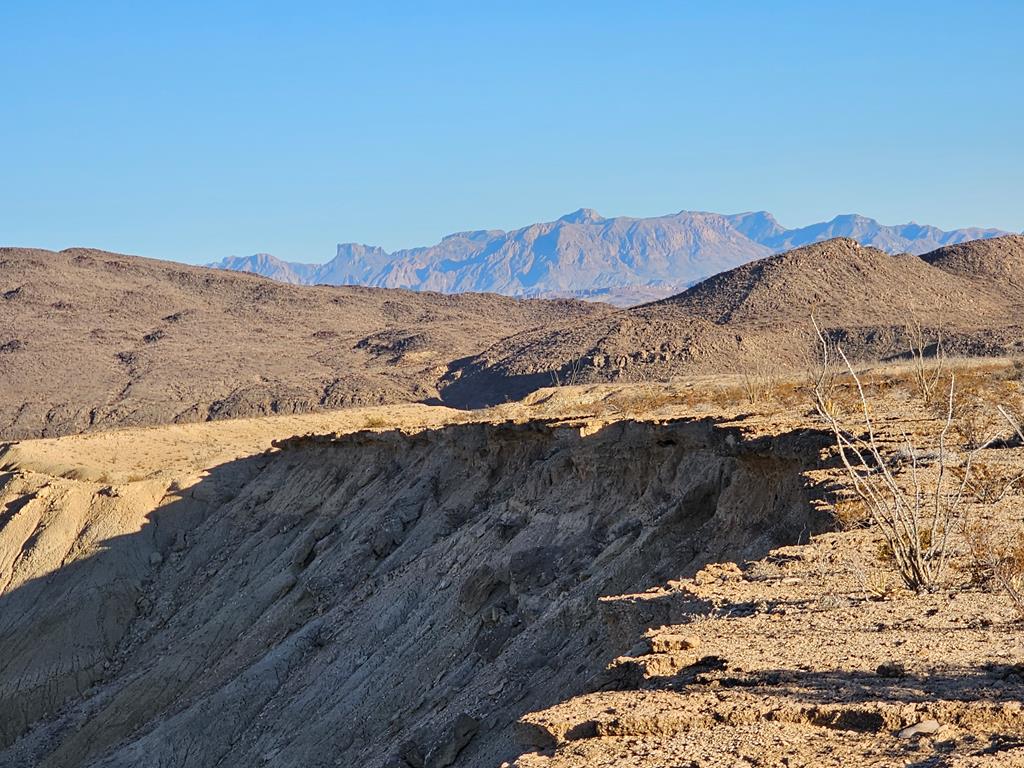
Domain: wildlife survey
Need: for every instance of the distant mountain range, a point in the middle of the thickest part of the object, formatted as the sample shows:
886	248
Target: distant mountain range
621	260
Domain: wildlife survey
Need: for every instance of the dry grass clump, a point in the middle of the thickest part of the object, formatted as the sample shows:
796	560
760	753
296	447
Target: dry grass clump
740	390
758	385
978	383
638	401
851	513
989	483
997	560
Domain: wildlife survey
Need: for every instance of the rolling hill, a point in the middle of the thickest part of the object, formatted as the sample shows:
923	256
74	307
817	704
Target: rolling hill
757	317
92	340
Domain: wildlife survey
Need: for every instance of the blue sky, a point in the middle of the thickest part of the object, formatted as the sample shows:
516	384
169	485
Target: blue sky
196	130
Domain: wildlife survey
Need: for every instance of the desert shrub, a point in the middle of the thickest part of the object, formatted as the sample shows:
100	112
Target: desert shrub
763	383
1015	373
916	520
975	421
757	383
726	396
1013	418
997	560
841	401
569	375
989	483
997	555
928	375
851	513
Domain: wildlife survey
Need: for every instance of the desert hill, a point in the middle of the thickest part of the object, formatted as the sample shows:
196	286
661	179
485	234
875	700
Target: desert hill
414	586
757	317
999	263
92	340
622	260
851	283
179	343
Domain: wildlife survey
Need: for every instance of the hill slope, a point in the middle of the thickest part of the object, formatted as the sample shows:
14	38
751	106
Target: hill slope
757	316
92	340
999	262
623	260
344	599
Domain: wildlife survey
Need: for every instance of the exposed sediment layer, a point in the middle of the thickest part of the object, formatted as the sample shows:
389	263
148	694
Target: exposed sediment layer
363	599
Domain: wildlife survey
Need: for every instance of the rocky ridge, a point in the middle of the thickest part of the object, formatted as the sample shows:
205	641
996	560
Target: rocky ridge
622	260
439	582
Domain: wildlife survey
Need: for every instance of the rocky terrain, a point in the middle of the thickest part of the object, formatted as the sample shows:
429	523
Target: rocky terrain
621	260
598	576
755	320
92	340
613	571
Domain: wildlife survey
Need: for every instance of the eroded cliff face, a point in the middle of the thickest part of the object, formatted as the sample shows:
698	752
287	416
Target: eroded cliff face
376	599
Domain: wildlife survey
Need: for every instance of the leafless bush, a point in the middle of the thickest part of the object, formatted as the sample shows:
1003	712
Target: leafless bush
998	561
757	383
571	376
1013	421
917	521
975	421
998	558
990	483
928	378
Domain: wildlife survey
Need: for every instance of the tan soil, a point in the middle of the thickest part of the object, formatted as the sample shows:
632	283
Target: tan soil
533	584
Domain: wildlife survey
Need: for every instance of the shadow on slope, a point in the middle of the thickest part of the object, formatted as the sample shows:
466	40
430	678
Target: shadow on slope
365	597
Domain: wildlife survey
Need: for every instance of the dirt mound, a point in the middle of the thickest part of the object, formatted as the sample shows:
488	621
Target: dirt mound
756	318
91	340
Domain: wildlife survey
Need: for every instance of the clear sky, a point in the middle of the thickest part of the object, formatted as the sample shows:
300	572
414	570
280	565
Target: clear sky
196	130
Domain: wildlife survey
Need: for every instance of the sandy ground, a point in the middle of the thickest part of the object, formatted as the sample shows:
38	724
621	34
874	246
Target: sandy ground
181	595
181	451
